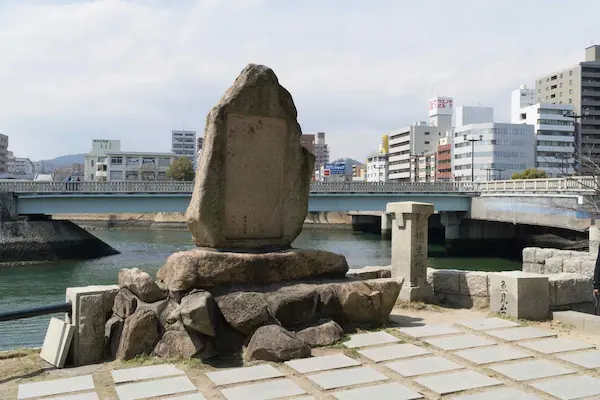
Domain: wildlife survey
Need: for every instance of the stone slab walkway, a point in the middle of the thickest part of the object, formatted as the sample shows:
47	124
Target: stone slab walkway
484	359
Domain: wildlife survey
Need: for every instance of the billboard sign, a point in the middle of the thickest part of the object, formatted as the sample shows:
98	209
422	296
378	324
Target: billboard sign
441	106
326	172
336	169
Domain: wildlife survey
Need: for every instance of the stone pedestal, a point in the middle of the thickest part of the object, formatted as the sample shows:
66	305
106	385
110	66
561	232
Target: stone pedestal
520	295
92	306
409	248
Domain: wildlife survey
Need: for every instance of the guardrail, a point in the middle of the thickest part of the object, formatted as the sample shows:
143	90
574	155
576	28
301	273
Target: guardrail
35	311
581	185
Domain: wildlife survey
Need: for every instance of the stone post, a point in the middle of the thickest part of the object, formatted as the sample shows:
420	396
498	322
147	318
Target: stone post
91	308
386	225
594	237
409	248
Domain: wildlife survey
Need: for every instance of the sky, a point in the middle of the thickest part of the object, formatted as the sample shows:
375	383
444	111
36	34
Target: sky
72	71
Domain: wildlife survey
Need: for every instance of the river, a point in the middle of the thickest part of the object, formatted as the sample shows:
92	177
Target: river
42	284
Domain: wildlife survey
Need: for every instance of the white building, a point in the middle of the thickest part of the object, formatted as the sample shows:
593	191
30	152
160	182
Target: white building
106	162
20	166
321	151
377	168
520	98
466	115
500	150
183	144
418	138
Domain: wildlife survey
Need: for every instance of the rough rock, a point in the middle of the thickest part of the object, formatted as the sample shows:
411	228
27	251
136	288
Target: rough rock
244	311
371	272
553	265
125	303
447	281
141	284
329	305
571	288
323	334
201	268
140	334
179	344
113	330
293	305
529	255
474	283
359	303
274	343
232	205
196	311
389	290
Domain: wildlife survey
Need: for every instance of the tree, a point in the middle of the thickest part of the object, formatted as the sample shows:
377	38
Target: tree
181	169
530	173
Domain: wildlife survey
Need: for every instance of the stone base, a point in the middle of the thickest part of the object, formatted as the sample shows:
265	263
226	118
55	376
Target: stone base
417	293
204	268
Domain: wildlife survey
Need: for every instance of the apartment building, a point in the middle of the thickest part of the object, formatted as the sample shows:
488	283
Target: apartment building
183	144
377	168
321	151
308	141
423	168
443	158
3	153
578	86
20	166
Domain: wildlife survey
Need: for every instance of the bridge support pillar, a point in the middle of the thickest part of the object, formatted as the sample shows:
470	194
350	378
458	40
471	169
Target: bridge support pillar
594	238
409	230
386	225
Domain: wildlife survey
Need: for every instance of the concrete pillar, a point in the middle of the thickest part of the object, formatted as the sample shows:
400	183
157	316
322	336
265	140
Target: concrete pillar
594	237
91	308
8	207
386	225
409	248
451	221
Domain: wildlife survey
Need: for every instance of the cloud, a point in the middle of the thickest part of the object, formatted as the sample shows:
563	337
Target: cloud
71	71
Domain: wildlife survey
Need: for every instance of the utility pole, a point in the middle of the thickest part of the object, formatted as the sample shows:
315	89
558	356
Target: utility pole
472	153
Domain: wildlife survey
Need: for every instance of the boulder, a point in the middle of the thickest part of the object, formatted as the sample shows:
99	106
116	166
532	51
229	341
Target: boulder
113	329
323	334
389	289
196	311
203	268
251	133
371	272
125	303
140	334
244	311
329	305
179	344
140	284
359	303
274	343
293	305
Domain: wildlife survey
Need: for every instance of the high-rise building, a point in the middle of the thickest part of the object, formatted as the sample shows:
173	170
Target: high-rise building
443	160
183	144
308	141
3	153
321	151
520	98
578	86
423	168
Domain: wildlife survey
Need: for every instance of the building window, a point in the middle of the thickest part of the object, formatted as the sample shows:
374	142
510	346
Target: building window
116	160
426	133
552	96
560	85
539	99
547	88
116	175
92	163
570	91
561	75
570	101
164	162
560	94
570	82
539	90
570	73
426	142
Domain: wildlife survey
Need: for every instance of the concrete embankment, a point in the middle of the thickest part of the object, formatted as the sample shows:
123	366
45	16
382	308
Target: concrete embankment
316	220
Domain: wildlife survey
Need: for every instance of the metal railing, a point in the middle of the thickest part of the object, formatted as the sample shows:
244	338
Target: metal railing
581	185
35	311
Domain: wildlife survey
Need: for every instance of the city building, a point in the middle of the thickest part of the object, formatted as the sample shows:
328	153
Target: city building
578	86
106	162
377	168
466	115
443	172
419	138
423	168
183	144
199	146
308	141
321	151
519	99
20	166
3	153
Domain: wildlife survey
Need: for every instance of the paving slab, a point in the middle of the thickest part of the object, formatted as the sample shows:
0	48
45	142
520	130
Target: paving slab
57	386
531	369
422	365
430	330
263	391
81	396
393	352
571	387
499	394
552	346
459	342
246	374
323	363
521	333
160	387
370	339
492	354
386	391
586	359
457	381
137	374
488	323
346	377
193	396
57	342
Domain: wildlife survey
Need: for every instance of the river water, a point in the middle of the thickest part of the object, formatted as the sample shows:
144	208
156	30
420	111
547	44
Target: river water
43	284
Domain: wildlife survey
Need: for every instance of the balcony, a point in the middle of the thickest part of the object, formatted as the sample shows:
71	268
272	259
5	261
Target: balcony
590	102
585	74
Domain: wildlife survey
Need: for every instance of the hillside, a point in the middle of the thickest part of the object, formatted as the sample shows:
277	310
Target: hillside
66	160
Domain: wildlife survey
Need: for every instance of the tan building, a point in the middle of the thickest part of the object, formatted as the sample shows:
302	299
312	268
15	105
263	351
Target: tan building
308	141
578	86
423	168
3	153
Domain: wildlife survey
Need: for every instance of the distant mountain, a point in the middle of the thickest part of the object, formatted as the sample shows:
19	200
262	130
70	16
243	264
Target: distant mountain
64	161
348	161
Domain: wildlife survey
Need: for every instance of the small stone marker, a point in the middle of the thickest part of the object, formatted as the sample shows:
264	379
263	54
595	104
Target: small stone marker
57	386
161	387
531	369
492	354
522	333
246	374
386	391
153	371
499	394
323	363
346	377
264	390
488	323
370	339
457	381
57	342
430	330
551	346
460	342
394	352
421	366
586	359
520	294
571	387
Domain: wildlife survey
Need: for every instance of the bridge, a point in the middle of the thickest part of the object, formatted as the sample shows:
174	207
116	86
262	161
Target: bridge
548	202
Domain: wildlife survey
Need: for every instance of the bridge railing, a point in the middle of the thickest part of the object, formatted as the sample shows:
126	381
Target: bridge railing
585	184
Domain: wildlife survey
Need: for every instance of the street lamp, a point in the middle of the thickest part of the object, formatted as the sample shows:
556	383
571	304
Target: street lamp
472	153
586	113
